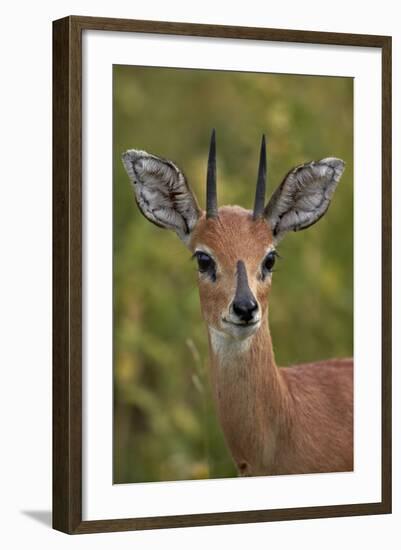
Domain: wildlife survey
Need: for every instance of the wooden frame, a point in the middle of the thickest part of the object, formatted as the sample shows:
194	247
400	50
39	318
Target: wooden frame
67	274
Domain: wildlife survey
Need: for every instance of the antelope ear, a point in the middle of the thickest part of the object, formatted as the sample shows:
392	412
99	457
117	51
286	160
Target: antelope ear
162	193
304	196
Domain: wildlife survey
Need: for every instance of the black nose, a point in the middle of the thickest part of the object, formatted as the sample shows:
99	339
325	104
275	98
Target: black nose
245	308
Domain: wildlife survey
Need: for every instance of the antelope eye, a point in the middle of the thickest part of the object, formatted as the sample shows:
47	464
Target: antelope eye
268	263
205	263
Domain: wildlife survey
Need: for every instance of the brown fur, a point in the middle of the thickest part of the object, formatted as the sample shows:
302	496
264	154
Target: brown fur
233	236
276	421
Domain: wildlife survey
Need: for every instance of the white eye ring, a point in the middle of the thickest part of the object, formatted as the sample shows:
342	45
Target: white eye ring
206	264
268	263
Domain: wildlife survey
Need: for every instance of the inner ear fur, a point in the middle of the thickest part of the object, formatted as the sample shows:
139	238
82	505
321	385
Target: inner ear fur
161	192
304	196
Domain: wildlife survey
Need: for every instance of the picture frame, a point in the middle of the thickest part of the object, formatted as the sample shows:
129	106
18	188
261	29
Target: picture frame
68	288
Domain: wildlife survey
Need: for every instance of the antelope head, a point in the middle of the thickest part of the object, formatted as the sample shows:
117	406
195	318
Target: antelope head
235	249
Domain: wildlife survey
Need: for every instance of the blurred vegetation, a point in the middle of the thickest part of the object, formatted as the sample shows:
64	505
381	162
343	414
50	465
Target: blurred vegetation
165	427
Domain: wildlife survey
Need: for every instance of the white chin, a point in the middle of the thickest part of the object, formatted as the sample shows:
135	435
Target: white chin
239	332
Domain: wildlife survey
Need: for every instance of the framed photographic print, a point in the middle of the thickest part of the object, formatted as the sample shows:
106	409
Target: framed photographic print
222	274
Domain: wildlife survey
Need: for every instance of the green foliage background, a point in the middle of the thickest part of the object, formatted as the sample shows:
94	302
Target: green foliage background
165	426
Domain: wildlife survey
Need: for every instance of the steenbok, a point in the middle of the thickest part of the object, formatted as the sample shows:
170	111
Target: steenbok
292	420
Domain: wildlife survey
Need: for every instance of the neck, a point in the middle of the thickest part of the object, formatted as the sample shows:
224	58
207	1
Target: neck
251	396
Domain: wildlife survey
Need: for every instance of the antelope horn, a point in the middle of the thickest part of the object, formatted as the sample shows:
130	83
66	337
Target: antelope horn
259	205
211	193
